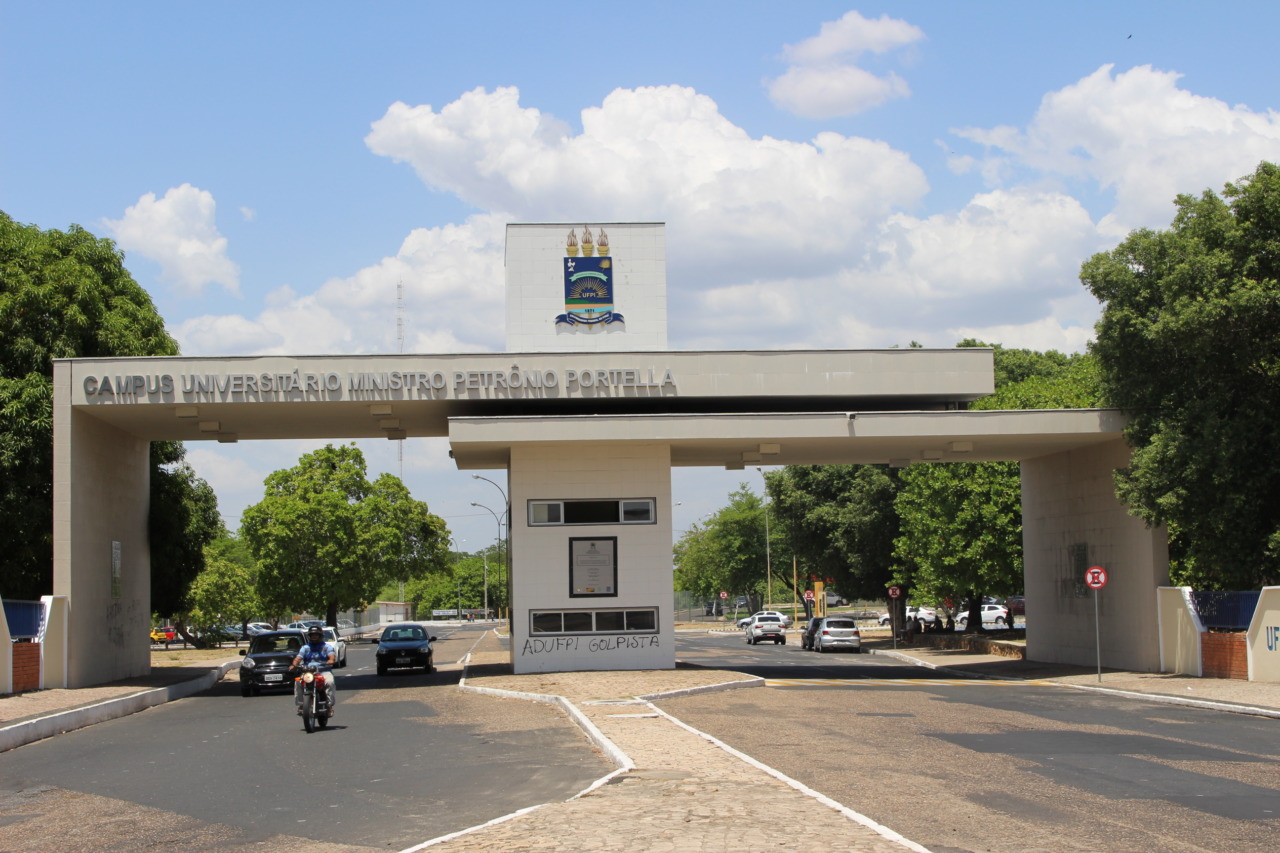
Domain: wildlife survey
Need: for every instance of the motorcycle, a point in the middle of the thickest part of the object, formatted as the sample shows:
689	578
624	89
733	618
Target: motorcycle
315	697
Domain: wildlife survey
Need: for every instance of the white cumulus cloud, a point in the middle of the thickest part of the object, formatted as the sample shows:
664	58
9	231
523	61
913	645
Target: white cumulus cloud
774	242
179	232
1137	134
660	154
447	279
823	79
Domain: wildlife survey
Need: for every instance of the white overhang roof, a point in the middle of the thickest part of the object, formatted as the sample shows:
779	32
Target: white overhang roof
812	438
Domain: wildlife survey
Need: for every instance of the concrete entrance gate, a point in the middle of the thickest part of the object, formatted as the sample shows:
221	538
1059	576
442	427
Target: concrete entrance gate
586	426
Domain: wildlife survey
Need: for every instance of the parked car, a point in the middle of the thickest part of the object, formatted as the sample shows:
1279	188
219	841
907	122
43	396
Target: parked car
992	614
739	602
834	599
836	632
267	660
334	639
714	607
784	618
256	628
163	635
923	614
806	633
766	626
404	645
304	624
1017	605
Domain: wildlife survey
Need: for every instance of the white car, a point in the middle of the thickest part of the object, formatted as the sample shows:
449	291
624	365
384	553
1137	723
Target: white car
782	617
766	626
992	614
332	637
924	614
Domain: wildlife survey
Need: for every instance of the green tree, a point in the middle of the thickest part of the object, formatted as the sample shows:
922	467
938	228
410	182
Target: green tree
729	552
962	522
65	295
461	580
223	594
183	518
1188	348
840	522
326	539
961	532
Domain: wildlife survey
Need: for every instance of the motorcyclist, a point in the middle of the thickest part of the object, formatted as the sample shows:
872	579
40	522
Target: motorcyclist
323	654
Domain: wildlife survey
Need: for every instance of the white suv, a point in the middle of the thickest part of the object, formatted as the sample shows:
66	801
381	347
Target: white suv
923	614
766	626
782	617
992	614
332	637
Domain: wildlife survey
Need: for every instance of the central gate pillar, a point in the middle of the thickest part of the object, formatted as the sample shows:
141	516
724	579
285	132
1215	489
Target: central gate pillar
591	574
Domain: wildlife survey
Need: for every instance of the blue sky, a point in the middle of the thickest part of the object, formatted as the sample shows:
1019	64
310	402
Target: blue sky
924	171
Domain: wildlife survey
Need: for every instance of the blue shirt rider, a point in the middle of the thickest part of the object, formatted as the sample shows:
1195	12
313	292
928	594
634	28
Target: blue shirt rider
319	652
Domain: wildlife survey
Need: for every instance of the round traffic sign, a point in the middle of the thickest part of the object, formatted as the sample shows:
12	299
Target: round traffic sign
724	594
1095	577
895	591
808	595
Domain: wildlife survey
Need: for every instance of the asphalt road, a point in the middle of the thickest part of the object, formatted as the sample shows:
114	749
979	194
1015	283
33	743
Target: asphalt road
406	759
961	765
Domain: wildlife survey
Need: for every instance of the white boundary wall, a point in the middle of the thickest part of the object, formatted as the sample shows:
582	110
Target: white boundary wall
1264	637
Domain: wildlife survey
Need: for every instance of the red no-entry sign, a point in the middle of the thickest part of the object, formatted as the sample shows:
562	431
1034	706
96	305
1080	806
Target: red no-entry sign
895	591
724	594
808	595
1095	577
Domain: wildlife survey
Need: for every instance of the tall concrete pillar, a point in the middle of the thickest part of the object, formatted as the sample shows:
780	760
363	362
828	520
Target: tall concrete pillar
101	555
557	623
1071	520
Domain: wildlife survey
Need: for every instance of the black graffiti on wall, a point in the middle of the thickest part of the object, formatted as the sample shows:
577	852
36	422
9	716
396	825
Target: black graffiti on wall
570	645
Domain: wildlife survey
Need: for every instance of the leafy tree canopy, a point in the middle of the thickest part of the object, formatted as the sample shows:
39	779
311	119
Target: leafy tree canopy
728	552
183	519
840	522
1188	347
962	522
326	539
63	295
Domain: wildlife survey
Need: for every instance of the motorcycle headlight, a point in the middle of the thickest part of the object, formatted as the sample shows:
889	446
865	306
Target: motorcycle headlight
308	677
248	663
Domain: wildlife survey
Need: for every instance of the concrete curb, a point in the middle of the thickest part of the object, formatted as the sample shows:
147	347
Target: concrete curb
1163	698
29	731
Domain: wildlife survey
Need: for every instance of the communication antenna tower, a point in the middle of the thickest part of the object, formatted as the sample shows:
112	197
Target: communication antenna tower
400	344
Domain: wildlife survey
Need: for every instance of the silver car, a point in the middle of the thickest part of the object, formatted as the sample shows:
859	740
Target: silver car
836	632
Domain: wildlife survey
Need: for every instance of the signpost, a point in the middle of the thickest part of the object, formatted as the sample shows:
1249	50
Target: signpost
1095	577
894	592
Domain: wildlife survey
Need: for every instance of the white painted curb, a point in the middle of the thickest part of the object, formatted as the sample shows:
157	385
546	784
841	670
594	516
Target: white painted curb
29	731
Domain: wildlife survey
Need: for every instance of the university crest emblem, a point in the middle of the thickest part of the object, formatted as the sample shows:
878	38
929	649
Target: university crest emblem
588	282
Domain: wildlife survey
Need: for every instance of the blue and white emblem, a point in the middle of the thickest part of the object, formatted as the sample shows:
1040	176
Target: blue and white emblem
588	292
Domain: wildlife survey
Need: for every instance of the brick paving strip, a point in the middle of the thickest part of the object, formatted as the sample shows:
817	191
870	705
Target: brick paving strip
675	788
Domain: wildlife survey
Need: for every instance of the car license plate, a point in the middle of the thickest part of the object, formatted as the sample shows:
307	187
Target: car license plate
273	677
402	660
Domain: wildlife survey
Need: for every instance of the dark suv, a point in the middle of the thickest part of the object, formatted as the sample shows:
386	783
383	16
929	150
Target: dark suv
267	660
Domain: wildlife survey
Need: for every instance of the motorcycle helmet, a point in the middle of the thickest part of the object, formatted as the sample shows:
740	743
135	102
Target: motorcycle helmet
314	633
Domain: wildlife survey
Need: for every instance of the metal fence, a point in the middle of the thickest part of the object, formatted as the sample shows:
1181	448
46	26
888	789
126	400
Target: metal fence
1231	611
24	618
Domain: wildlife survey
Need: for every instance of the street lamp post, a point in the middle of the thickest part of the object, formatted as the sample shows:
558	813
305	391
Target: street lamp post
458	559
486	562
768	558
503	543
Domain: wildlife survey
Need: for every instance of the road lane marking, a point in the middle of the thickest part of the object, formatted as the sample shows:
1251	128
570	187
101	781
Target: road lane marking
892	682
